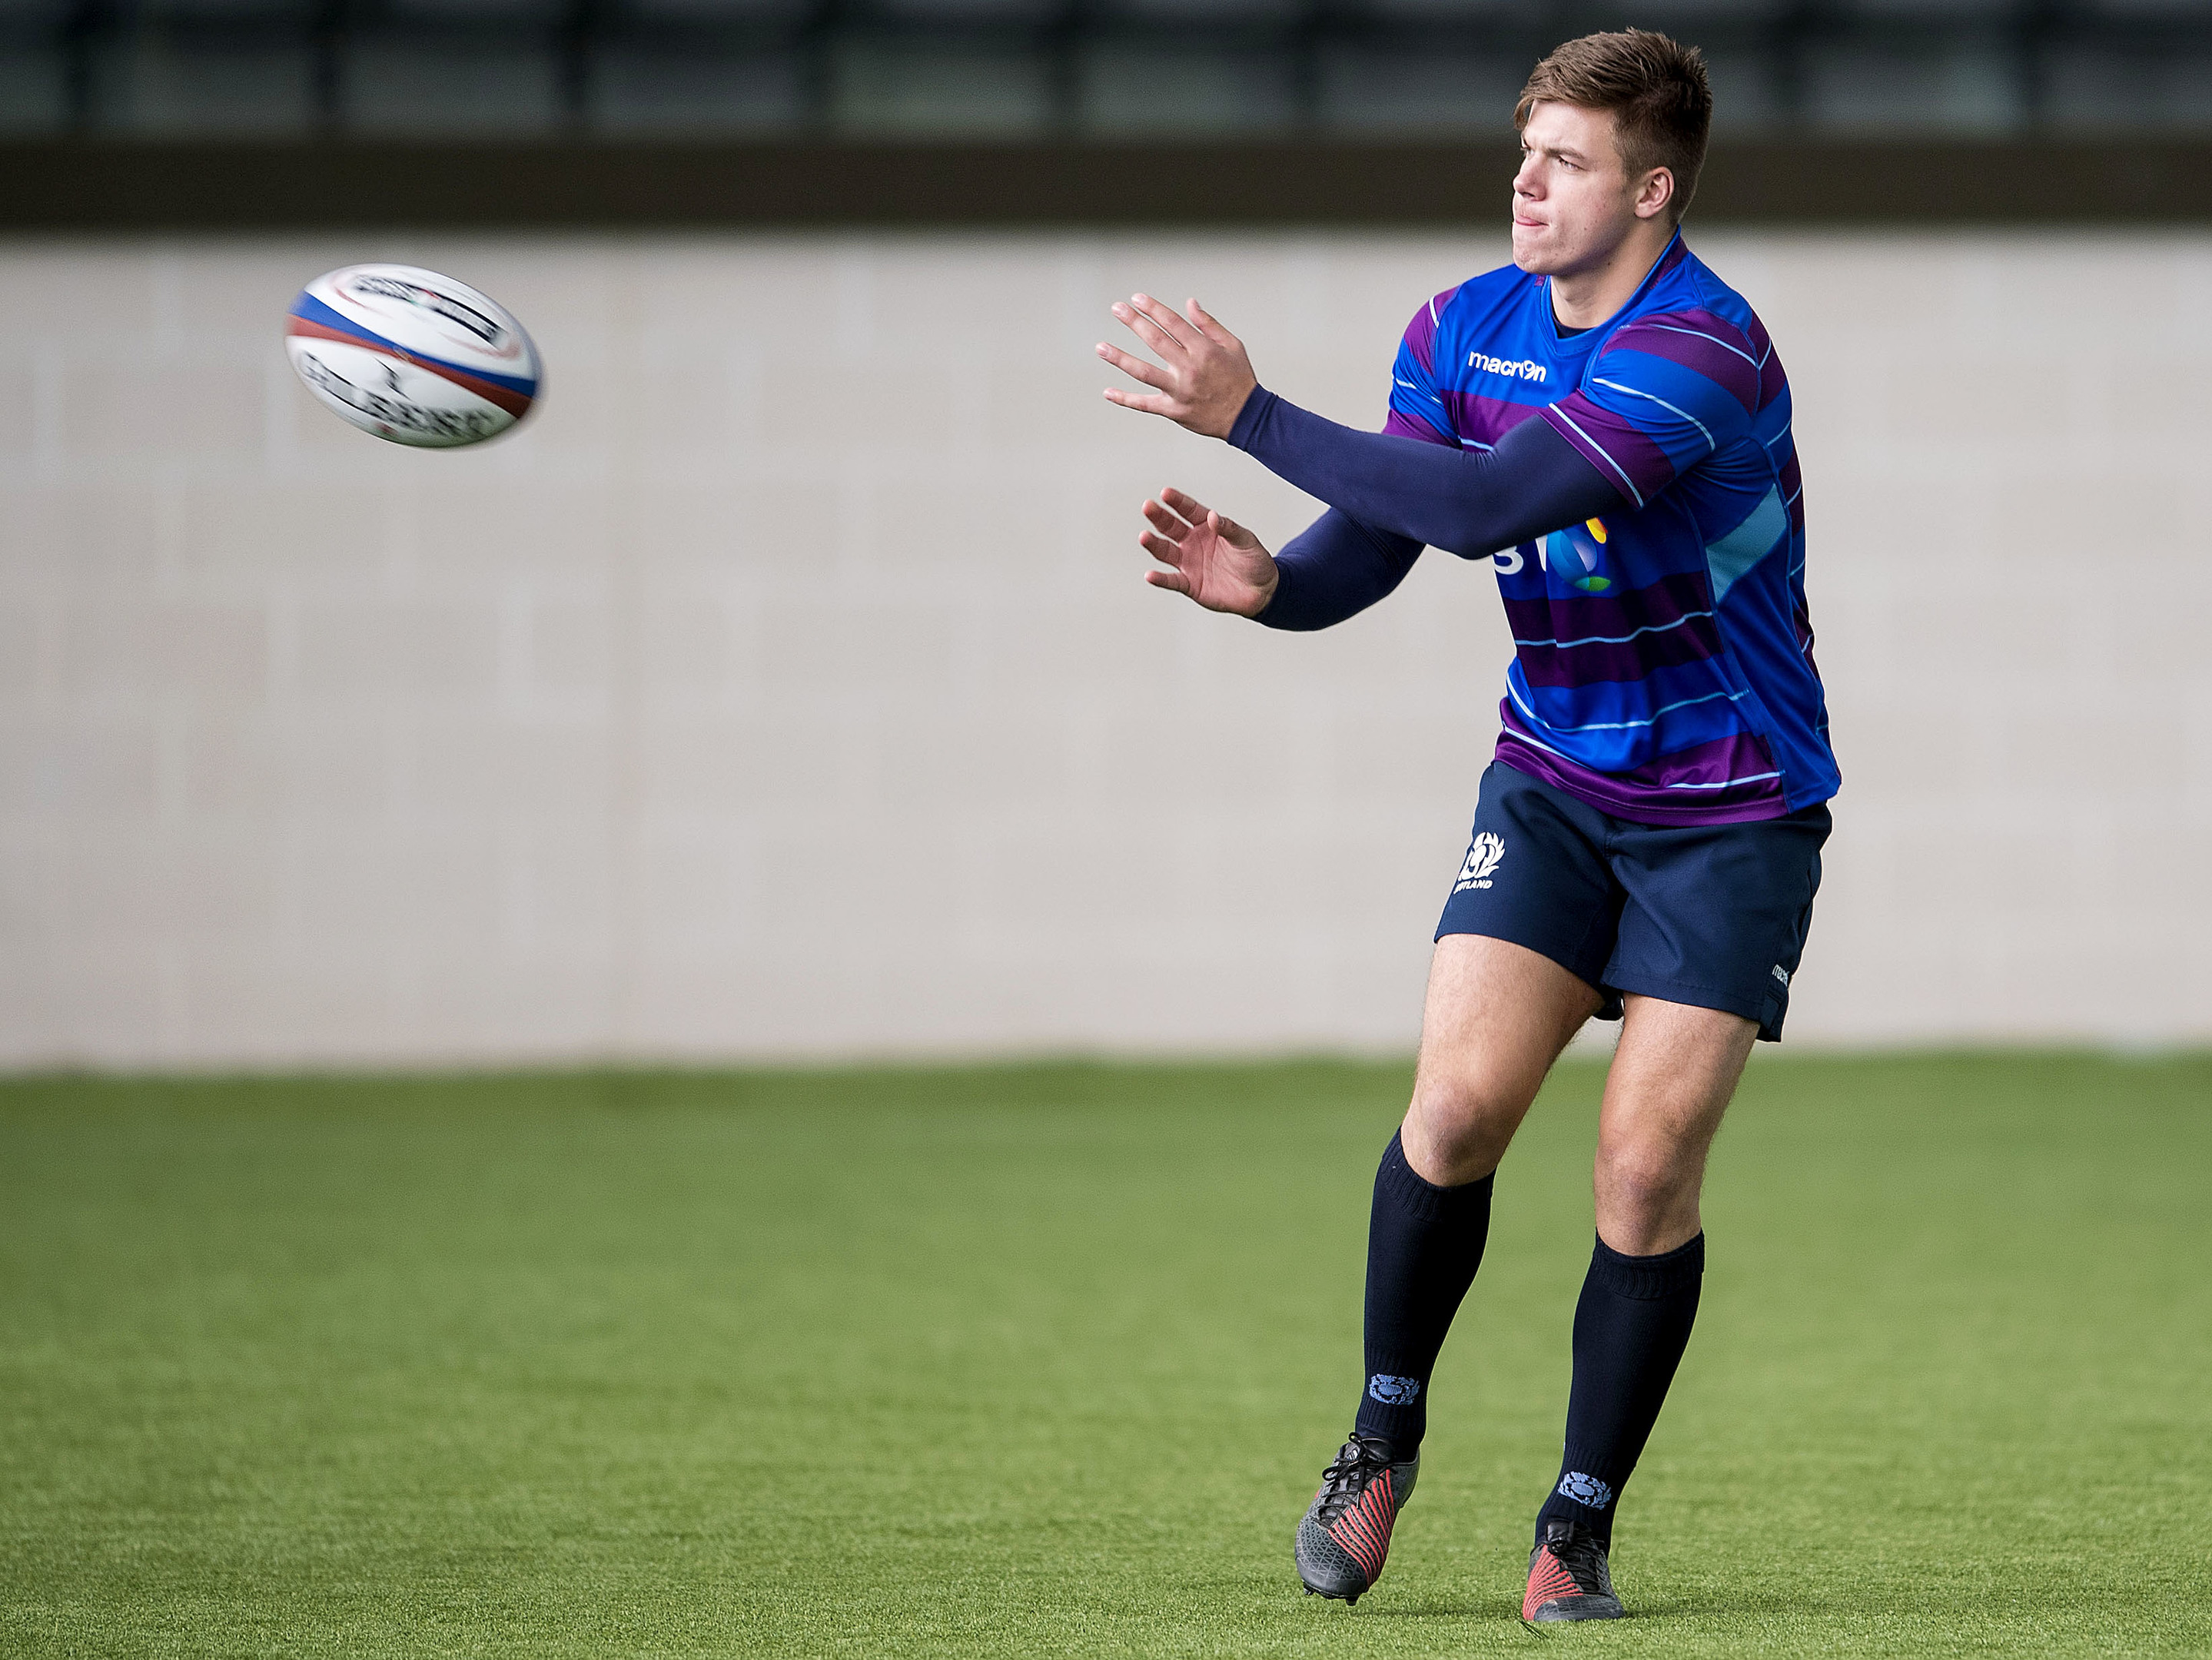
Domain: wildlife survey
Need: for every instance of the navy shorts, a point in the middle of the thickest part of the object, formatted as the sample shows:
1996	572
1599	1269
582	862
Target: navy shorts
1713	915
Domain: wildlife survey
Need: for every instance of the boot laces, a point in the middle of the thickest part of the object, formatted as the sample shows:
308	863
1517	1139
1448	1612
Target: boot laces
1346	1478
1579	1553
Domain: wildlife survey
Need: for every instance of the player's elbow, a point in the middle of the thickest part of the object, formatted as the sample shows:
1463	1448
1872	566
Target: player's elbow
1477	535
1476	541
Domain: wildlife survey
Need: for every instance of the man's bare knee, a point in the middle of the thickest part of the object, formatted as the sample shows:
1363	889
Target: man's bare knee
1647	1191
1456	1131
1497	1015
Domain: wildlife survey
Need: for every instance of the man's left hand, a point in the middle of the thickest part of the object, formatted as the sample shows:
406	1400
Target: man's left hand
1203	376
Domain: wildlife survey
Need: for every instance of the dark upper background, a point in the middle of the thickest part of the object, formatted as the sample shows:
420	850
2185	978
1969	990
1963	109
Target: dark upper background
268	112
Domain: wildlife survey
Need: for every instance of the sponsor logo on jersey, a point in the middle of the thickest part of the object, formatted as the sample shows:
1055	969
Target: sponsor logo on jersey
1482	856
1585	1490
1392	1391
1526	370
1576	552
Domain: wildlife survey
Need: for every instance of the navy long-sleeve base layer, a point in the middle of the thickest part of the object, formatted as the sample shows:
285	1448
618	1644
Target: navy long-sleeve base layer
1631	1327
1392	496
1424	1244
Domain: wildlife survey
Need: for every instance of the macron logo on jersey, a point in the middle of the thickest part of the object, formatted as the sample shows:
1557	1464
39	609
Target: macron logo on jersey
1526	370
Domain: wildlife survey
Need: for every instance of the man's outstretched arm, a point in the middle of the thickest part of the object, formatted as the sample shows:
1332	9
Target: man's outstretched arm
1464	501
1468	503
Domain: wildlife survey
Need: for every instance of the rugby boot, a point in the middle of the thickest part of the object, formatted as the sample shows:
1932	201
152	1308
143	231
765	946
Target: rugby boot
1345	1535
1568	1578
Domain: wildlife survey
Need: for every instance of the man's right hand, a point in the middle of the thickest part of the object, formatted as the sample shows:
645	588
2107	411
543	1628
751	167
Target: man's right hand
1216	560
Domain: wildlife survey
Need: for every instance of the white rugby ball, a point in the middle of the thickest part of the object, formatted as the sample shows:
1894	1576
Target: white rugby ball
412	355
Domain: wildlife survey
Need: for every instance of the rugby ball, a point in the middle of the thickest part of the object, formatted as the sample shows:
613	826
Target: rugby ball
412	355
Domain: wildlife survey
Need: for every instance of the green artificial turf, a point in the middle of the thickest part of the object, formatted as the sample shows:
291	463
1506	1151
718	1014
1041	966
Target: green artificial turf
1044	1360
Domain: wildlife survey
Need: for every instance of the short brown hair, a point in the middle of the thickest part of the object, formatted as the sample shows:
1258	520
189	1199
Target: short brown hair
1657	89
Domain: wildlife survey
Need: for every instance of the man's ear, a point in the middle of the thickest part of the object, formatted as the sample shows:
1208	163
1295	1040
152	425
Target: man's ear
1655	193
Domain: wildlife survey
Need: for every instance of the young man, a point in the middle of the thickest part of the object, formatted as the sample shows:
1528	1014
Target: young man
1646	841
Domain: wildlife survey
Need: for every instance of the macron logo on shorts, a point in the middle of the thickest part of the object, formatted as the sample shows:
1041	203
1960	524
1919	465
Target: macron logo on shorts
1482	856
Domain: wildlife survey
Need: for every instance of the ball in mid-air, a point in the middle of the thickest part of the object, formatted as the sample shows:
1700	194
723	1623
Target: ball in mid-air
412	355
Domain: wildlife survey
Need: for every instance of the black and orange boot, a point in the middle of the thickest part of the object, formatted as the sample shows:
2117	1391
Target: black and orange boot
1568	1578
1345	1537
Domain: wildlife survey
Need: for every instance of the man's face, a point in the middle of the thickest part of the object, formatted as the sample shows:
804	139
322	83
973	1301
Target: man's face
1573	201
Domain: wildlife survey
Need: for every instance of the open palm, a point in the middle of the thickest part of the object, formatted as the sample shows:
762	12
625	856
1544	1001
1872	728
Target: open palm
1216	560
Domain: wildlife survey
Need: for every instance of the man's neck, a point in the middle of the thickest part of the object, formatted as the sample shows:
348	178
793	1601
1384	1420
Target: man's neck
1586	298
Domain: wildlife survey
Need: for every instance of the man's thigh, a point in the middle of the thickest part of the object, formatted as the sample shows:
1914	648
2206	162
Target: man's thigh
1673	1075
1496	1018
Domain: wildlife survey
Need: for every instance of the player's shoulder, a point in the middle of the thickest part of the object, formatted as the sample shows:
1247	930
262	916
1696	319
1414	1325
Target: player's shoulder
1465	304
1685	292
1686	316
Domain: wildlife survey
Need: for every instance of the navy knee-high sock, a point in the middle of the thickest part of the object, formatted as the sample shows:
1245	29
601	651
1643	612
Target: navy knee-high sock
1424	1244
1630	1328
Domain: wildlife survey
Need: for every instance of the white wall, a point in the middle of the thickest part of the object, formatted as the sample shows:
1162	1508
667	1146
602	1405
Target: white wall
788	687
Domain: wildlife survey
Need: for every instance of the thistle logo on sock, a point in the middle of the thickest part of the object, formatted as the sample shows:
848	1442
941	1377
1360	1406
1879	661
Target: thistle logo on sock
1585	1490
1393	1391
1482	856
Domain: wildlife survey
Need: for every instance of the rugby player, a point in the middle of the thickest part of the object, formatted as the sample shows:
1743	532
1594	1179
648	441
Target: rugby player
1604	421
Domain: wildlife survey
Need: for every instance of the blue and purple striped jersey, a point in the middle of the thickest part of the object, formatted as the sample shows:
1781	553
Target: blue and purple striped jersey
1663	664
